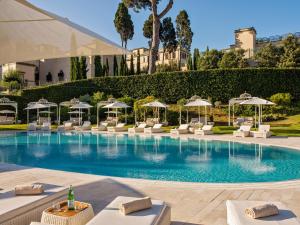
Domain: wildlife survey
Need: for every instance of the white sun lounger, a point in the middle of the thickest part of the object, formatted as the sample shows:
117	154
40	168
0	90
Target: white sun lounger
159	214
21	210
119	128
32	126
182	129
263	132
46	126
155	129
101	127
236	214
205	130
85	126
139	129
243	131
66	127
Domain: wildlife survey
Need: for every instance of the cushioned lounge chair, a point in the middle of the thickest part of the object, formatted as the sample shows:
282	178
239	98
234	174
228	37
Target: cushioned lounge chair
68	126
205	130
243	131
101	127
22	210
46	126
236	214
263	132
159	214
32	126
139	129
119	128
155	129
182	129
85	126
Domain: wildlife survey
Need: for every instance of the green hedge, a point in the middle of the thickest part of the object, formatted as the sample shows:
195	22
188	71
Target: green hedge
220	85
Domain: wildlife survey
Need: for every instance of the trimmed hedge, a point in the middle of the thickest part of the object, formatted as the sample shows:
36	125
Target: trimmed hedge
220	85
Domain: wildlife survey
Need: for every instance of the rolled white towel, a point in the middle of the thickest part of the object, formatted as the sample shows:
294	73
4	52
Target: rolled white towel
262	211
33	189
135	205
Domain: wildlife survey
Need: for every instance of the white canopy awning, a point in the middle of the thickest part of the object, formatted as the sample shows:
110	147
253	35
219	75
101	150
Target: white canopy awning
29	33
117	105
257	101
36	106
197	103
81	105
155	104
7	112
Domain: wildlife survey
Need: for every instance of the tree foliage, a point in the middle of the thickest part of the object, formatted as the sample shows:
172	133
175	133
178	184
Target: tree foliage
98	66
138	63
210	59
233	59
115	66
196	57
83	67
75	69
168	36
184	31
291	53
124	24
268	56
131	70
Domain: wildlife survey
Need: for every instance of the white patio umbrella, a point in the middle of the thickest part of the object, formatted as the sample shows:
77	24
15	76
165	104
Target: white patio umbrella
34	106
29	33
7	112
117	105
157	105
199	103
80	106
259	102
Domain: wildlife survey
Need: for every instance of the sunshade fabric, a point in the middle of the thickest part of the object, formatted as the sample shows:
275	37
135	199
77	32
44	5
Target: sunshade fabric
257	101
36	106
156	104
7	112
29	33
81	105
116	105
198	102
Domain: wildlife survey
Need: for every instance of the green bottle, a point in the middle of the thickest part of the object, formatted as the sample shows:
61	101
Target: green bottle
71	199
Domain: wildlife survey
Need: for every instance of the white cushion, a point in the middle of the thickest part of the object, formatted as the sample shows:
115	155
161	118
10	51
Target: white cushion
111	215
157	126
142	125
236	214
120	125
183	127
207	127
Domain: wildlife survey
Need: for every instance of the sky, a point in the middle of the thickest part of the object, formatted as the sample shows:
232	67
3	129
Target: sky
213	21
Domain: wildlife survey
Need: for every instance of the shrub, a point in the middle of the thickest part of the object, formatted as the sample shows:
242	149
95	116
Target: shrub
282	99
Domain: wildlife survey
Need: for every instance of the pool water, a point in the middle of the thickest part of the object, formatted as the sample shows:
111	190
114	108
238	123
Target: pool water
155	158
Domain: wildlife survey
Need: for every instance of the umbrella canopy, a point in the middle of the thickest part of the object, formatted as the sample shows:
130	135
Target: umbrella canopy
113	112
257	101
30	33
81	105
36	106
155	104
7	112
117	105
45	112
198	102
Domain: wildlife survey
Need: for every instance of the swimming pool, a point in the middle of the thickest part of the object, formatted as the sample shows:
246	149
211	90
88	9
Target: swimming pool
155	158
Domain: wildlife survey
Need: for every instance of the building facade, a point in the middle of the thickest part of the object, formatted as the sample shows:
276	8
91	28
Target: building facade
162	58
246	39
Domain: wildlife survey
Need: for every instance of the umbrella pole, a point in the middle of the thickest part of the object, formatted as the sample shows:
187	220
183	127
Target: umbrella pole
38	116
229	115
89	114
180	116
205	115
97	116
59	115
187	116
199	115
49	115
126	115
255	117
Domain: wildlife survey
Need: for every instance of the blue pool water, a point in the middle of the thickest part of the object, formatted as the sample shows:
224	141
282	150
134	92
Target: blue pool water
155	158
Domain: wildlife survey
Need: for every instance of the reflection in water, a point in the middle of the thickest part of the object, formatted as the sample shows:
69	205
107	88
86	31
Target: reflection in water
151	157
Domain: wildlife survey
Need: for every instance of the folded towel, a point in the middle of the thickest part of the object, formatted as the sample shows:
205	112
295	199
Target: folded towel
135	205
34	189
262	211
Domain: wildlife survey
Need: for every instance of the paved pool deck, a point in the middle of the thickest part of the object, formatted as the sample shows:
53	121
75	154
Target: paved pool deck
191	203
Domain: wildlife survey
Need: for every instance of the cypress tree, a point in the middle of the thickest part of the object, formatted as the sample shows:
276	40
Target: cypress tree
196	57
83	67
98	66
122	68
190	63
107	67
75	69
115	66
138	63
131	65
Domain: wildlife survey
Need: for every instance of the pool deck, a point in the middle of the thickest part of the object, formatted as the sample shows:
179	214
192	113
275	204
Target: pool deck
192	203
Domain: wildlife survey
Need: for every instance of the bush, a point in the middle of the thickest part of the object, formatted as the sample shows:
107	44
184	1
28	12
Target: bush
282	99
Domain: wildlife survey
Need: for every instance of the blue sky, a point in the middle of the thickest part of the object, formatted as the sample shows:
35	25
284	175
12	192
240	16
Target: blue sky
213	21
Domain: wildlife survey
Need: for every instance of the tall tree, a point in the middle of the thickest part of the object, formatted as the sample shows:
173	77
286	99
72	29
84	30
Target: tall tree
196	57
148	30
131	71
268	56
122	71
190	65
291	53
107	71
184	33
210	59
75	68
124	24
157	16
98	66
138	63
233	59
168	37
83	67
115	66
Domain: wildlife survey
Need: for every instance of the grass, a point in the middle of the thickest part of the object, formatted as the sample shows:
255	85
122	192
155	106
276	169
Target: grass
290	127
